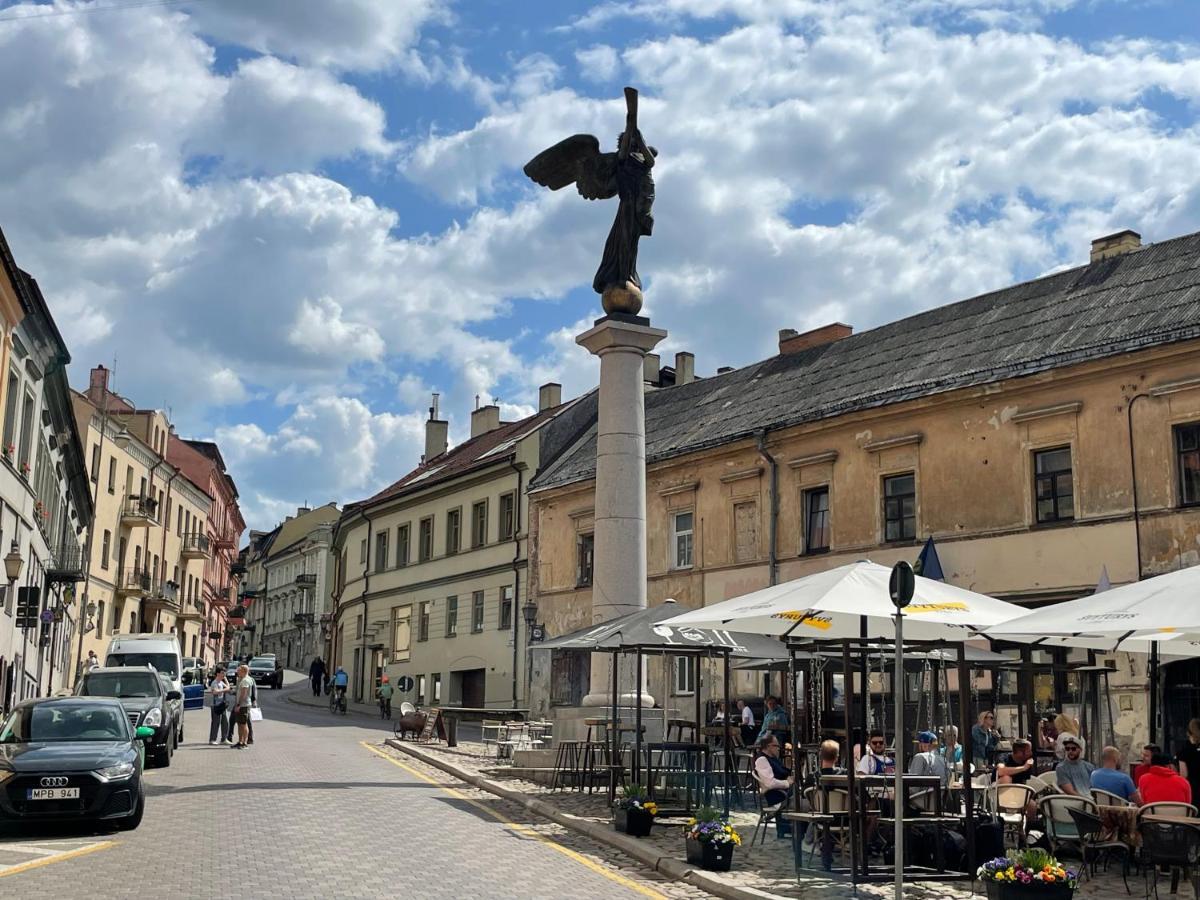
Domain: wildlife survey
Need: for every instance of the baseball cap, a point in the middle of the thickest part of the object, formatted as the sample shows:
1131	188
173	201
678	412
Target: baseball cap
1072	739
927	737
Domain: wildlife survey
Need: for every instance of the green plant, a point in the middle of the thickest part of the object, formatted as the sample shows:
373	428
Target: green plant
1032	867
634	796
709	825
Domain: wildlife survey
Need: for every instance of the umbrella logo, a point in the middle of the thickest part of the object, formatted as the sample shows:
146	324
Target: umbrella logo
945	606
823	623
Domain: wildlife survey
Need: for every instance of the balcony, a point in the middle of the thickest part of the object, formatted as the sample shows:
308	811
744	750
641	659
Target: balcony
237	570
139	510
162	597
134	582
222	542
66	564
194	546
307	580
191	611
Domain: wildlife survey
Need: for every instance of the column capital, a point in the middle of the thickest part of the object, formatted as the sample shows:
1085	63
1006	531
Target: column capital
619	333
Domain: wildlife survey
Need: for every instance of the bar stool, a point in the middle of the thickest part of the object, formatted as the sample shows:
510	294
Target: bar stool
566	764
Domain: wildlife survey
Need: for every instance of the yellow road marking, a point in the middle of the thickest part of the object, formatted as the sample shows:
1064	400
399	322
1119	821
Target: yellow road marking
58	857
521	829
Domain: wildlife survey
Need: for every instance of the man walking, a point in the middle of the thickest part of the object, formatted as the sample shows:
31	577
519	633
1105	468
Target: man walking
384	693
316	675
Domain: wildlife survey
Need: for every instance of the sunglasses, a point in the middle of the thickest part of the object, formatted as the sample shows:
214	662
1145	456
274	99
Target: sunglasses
1070	747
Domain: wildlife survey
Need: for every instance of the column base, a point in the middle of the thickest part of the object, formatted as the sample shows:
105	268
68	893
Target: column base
604	699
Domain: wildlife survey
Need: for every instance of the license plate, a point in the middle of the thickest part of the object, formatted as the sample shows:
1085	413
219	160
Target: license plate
67	793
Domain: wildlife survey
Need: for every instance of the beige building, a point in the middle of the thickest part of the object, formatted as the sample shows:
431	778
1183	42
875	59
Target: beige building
431	571
149	545
1039	434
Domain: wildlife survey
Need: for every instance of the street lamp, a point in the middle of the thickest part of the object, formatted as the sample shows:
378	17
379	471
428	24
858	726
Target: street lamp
13	563
529	613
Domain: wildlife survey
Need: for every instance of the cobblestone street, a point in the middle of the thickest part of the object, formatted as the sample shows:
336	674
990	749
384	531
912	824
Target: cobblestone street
316	809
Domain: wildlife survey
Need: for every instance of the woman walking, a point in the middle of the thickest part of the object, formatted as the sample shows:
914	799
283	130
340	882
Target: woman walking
241	705
218	690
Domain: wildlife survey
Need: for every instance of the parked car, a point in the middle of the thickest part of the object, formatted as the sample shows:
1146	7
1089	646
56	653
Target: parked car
177	706
148	700
158	650
72	758
193	679
267	671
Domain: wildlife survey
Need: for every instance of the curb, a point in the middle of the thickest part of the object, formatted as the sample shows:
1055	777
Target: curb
673	868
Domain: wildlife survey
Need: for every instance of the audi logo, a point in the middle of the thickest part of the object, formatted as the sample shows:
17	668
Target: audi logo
54	781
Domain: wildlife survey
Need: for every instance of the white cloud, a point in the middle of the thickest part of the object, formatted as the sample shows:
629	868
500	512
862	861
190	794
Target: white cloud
598	63
226	387
321	330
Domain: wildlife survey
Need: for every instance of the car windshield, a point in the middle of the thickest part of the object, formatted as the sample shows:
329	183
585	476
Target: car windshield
190	662
119	684
162	662
61	722
262	662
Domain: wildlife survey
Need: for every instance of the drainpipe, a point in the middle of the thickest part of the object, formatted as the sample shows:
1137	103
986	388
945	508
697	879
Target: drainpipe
773	559
365	606
163	554
1137	538
516	601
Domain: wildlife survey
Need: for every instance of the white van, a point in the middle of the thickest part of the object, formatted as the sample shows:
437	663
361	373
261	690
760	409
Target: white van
158	650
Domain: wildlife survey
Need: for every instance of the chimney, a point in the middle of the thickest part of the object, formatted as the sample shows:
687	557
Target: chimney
485	419
791	342
301	510
437	433
721	370
685	367
1115	244
98	384
549	395
650	368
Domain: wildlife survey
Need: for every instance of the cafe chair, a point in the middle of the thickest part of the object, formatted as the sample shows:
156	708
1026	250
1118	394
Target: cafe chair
766	814
1009	801
1089	828
1169	808
1104	798
1170	845
1060	826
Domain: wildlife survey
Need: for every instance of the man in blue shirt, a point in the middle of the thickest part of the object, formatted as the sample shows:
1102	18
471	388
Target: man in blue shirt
1110	778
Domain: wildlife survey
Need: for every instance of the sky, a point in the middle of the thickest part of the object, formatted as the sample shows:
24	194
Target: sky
288	222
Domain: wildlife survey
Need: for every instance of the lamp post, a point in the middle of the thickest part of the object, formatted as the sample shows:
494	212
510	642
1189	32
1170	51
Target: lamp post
13	563
529	613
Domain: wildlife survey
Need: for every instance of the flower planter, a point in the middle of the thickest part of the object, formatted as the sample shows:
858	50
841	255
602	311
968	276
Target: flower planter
716	857
633	821
1018	891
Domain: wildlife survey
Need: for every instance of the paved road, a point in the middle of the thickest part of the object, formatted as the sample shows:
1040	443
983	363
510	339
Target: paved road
316	809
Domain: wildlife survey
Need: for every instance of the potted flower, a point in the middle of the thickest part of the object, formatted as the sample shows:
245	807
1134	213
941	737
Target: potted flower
710	841
25	469
9	450
634	812
1027	873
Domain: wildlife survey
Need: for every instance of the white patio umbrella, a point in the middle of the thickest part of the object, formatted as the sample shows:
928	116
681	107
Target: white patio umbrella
831	604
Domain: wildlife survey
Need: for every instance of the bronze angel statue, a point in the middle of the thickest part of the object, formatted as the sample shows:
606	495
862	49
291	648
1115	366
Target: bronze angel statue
598	176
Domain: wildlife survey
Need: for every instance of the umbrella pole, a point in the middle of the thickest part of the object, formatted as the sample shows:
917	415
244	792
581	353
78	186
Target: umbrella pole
964	729
898	697
637	704
727	744
1154	692
865	674
615	733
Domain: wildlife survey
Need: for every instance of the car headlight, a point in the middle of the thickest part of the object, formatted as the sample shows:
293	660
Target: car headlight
153	718
115	773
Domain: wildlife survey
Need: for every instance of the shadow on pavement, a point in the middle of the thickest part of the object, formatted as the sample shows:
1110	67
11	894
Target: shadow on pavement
162	790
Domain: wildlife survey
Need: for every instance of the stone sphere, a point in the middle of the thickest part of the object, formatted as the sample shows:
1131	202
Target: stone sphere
626	298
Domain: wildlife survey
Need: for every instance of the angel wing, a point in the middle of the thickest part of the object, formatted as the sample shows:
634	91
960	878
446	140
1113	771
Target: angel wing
577	159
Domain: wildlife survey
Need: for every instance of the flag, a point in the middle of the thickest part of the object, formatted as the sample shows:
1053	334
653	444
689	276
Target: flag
1103	584
928	565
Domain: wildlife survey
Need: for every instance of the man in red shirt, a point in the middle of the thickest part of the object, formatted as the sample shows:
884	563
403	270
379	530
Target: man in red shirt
1162	782
1144	766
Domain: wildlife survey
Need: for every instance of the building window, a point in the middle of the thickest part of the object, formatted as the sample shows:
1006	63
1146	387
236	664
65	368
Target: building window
506	607
900	507
1054	489
587	556
358	627
10	414
437	687
362	552
402	635
816	520
96	463
681	539
420	690
508	520
112	475
479	524
745	531
477	611
381	551
105	548
683	675
28	424
423	622
100	619
425	540
451	616
1187	449
402	545
453	531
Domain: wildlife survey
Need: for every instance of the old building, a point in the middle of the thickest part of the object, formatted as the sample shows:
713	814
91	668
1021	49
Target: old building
291	583
1039	434
432	569
44	499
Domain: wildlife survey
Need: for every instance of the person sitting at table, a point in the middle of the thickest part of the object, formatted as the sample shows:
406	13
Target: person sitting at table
984	738
775	722
1074	772
950	750
749	733
1162	783
1047	732
1144	766
1110	778
1017	767
719	716
827	758
775	780
927	761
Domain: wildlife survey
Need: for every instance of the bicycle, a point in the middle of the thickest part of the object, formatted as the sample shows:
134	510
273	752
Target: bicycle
337	701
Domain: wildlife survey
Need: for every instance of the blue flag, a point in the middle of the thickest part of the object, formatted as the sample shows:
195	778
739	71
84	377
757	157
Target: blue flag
928	565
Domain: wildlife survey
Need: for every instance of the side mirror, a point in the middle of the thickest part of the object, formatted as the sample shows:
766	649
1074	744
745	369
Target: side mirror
174	695
144	733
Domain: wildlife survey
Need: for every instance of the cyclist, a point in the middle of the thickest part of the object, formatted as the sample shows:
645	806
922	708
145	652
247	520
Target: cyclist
384	693
340	681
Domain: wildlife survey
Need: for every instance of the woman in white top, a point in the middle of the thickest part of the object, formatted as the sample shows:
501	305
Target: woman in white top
219	703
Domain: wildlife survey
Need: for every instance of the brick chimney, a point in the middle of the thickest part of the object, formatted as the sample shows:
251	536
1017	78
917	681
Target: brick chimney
97	384
1115	244
650	368
549	395
685	367
437	433
485	419
792	342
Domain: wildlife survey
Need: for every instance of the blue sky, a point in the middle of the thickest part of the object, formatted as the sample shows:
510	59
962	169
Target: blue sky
290	221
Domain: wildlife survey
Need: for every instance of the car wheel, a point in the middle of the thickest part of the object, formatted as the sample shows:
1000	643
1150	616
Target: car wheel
131	822
179	740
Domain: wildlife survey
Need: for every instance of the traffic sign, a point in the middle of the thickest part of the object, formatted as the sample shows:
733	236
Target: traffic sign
47	616
902	584
405	683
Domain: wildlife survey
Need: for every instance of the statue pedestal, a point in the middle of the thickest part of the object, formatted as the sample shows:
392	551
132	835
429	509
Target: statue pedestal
619	568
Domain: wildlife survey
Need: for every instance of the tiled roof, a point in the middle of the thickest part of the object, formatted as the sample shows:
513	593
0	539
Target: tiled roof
1145	298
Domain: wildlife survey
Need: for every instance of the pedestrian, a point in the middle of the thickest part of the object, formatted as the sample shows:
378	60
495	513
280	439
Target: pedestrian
384	693
253	705
241	705
218	691
316	674
93	661
749	732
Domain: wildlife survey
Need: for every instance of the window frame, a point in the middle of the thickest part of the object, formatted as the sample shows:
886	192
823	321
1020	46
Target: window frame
401	615
423	621
1053	477
453	530
105	548
112	475
479	529
477	611
1176	432
507	604
585	539
508	530
10	412
452	616
96	462
382	550
403	536
806	498
425	539
888	499
687	686
688	533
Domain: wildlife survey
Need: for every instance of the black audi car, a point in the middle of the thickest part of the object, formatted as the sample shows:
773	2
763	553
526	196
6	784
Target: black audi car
71	758
147	700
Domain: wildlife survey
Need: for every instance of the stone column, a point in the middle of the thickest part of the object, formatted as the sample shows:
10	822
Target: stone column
619	569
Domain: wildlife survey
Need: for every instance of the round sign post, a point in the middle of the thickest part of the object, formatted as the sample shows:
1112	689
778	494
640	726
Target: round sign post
405	684
901	586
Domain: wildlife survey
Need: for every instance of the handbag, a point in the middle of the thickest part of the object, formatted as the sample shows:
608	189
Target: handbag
255	714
